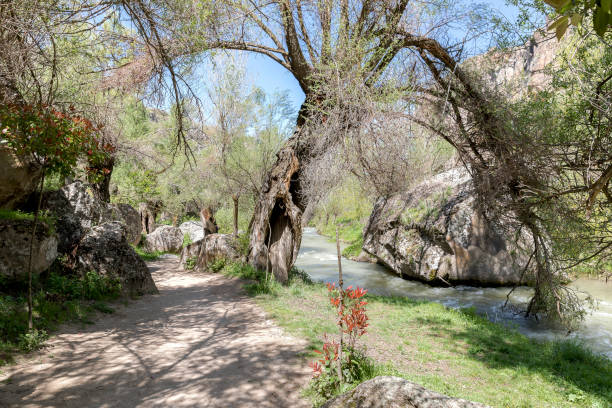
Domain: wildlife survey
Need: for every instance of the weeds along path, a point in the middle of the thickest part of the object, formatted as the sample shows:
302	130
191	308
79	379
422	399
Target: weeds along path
200	343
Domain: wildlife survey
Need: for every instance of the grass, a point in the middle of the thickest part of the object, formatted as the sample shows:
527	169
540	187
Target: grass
57	298
145	255
354	249
455	352
20	215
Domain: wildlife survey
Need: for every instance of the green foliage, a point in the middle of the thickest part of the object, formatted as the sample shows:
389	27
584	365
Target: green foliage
92	286
243	243
32	340
20	215
145	255
217	265
225	218
55	139
454	352
191	262
56	299
357	368
574	12
187	239
354	249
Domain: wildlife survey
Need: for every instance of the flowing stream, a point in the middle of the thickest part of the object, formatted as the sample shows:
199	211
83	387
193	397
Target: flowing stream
318	258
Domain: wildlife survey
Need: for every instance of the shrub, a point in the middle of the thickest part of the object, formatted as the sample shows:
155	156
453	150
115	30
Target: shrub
91	286
190	263
187	239
217	265
32	340
343	356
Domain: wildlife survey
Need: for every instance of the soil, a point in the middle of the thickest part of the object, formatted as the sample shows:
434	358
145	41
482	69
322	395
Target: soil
200	343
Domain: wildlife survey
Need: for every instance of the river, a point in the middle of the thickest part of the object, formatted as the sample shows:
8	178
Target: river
318	258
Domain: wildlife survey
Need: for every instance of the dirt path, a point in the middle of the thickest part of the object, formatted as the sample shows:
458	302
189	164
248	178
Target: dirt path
199	343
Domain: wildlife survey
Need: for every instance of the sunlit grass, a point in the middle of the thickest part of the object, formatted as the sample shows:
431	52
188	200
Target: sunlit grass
455	352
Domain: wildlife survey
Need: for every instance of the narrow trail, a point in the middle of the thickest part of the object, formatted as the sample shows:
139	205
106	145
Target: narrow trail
200	343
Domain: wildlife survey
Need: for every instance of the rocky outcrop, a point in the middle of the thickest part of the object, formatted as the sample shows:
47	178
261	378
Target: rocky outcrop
218	246
18	178
131	219
78	209
436	233
15	236
165	238
395	392
194	229
105	250
520	70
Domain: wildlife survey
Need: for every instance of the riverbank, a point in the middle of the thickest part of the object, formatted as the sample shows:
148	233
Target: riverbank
455	352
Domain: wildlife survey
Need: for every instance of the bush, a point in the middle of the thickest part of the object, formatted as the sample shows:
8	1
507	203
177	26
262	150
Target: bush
356	368
187	239
92	286
217	265
190	263
32	340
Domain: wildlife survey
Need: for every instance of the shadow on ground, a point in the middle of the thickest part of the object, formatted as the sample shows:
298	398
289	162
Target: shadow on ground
200	343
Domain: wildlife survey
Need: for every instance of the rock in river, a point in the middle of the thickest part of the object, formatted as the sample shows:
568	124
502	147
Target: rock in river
435	233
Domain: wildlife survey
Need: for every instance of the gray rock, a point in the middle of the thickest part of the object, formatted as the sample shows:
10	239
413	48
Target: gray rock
18	177
363	257
78	210
194	229
15	238
436	233
131	218
394	392
218	246
105	250
165	238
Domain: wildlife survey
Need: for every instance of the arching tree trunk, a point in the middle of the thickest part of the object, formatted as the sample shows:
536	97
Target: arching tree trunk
276	232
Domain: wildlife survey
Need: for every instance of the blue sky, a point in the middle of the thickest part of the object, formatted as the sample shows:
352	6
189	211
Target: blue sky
270	76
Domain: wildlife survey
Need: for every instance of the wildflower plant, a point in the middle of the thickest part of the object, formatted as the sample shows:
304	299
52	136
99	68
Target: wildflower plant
341	362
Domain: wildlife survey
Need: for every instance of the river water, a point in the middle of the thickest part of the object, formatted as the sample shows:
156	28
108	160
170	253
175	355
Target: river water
318	258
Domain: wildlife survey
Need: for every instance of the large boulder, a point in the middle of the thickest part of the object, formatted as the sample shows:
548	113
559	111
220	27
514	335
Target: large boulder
395	392
15	236
194	229
18	177
165	238
78	209
131	218
218	246
436	233
105	250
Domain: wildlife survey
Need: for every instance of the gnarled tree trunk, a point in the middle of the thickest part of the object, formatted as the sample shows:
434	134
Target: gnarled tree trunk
276	232
209	224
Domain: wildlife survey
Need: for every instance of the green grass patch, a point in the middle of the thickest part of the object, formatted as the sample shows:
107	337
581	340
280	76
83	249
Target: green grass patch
57	298
455	352
145	255
354	249
20	215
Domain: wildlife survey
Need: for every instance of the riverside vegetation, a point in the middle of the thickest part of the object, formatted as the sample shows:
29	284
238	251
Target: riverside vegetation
455	352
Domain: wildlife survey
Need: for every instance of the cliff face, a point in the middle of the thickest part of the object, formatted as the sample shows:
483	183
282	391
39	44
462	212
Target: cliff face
519	70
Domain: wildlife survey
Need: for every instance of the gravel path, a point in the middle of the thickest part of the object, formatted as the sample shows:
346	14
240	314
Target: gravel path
199	343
